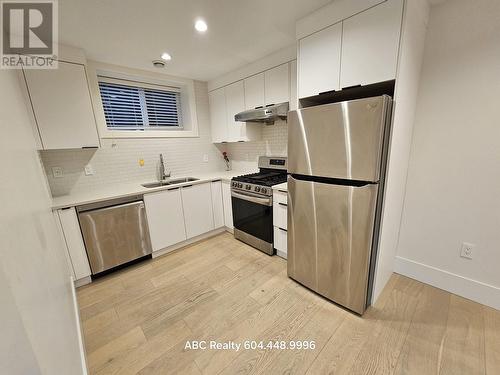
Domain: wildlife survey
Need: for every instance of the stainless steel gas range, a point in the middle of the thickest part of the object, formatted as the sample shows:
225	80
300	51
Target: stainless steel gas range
252	202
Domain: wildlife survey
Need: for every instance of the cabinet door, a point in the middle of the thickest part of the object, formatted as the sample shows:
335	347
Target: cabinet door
370	44
254	91
198	213
235	103
74	242
319	61
217	206
218	115
277	84
280	241
62	106
293	86
280	210
228	207
165	218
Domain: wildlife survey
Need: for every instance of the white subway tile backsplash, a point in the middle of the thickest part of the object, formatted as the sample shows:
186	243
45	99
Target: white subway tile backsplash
274	143
117	161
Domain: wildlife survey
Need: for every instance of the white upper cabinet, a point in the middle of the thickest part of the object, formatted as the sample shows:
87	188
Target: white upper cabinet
254	91
218	115
198	211
269	87
224	104
62	106
235	103
277	84
165	218
293	85
319	61
370	45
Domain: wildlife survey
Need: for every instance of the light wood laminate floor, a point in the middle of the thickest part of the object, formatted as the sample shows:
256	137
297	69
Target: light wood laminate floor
139	319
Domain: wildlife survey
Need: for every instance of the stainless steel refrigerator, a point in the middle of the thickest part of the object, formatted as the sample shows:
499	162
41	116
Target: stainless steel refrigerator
336	163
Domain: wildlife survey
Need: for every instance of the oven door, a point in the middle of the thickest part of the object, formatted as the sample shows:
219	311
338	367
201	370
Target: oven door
253	220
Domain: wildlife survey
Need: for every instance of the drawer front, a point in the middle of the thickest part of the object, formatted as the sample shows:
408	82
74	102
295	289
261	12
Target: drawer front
280	239
280	215
280	196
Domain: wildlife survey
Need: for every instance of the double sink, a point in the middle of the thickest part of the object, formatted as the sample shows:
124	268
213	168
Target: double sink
169	182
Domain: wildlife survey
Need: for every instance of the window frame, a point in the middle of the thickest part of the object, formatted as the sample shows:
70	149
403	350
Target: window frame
142	99
142	78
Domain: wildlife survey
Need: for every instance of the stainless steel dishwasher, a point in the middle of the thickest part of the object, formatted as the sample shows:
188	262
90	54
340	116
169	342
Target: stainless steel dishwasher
115	232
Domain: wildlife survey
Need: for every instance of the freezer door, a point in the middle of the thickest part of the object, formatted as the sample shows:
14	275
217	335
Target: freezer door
330	231
340	140
115	235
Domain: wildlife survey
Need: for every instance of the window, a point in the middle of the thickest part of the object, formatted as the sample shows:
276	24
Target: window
135	106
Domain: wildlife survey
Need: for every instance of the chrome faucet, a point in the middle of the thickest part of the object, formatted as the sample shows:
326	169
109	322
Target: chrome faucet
163	175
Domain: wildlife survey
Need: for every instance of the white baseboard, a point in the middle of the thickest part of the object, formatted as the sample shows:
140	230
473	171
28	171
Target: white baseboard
81	344
281	254
188	242
474	290
83	281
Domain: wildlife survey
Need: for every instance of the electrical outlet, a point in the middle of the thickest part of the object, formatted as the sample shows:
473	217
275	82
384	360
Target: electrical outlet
57	172
205	158
89	171
467	250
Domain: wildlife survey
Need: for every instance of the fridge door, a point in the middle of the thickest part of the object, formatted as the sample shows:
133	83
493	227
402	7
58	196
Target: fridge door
340	140
330	231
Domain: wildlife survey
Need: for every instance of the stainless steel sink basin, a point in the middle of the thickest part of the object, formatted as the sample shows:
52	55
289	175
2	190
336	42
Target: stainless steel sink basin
181	180
172	181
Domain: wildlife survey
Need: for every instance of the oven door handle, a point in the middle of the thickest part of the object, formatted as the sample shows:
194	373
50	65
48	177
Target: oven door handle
250	198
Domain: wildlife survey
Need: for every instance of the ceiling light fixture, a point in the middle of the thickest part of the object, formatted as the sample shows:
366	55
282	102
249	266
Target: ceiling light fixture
159	64
200	26
166	56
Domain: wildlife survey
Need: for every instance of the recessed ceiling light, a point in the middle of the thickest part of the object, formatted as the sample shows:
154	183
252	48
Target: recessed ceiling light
166	56
200	26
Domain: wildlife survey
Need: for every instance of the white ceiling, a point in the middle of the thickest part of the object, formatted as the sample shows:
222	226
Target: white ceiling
134	32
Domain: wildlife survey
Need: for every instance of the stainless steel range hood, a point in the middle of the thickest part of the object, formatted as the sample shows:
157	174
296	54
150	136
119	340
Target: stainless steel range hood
265	115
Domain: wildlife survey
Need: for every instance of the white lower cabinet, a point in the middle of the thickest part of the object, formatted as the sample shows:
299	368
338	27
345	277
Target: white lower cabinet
280	222
280	241
198	211
228	207
165	218
74	242
217	205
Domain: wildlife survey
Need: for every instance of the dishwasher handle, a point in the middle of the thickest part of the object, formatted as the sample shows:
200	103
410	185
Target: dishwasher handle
137	203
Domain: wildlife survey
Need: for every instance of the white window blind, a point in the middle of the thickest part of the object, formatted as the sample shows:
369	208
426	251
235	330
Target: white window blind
137	106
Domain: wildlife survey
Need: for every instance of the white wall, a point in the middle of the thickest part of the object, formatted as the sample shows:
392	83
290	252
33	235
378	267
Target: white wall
453	189
37	318
416	14
117	161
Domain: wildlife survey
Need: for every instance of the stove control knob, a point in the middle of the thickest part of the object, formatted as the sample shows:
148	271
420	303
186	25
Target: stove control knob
263	190
257	188
248	187
240	185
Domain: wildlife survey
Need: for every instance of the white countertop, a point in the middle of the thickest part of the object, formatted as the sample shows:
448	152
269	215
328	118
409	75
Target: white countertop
132	188
282	186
